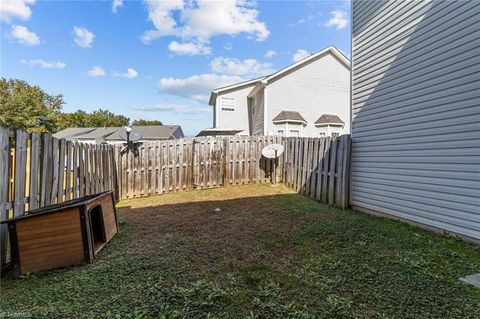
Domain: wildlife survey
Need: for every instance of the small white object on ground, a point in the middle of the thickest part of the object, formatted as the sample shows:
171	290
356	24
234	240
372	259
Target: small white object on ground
216	210
472	279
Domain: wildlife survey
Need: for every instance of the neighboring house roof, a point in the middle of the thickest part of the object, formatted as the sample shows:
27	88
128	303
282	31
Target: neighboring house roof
239	85
289	116
162	132
285	71
151	132
325	119
218	132
98	133
71	132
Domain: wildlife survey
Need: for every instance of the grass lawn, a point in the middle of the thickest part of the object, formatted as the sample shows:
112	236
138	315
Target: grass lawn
269	253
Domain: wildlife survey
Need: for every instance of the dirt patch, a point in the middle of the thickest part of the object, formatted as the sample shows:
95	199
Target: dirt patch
198	235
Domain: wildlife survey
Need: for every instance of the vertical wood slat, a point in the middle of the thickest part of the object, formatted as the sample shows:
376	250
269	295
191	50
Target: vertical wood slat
61	170
68	172
4	191
35	147
20	172
55	169
331	172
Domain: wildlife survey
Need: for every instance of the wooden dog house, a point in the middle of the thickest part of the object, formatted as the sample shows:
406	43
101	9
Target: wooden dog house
64	234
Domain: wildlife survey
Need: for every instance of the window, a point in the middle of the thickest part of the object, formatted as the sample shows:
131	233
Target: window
335	135
295	133
321	134
227	104
280	132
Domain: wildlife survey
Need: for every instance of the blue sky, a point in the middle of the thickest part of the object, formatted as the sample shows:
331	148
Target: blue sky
160	59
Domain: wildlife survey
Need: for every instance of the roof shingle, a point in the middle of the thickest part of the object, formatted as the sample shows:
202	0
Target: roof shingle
285	116
329	119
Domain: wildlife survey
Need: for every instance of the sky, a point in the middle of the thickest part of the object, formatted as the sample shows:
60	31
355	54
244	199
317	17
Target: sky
160	59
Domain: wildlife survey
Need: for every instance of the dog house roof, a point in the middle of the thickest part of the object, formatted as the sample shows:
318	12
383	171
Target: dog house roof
60	206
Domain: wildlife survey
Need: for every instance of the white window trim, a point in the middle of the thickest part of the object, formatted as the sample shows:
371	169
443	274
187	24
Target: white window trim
233	109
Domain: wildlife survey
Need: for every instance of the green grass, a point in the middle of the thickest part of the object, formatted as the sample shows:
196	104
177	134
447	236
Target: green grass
277	256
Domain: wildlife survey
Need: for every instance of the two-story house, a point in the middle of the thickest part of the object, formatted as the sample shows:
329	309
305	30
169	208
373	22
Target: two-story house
309	98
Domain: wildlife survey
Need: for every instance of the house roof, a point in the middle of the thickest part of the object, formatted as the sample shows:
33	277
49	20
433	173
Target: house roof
149	132
99	132
329	119
265	79
218	132
331	49
71	132
285	116
234	86
113	133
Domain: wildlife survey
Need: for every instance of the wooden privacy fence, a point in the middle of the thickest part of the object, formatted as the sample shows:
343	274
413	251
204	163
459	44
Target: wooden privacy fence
179	165
319	168
37	169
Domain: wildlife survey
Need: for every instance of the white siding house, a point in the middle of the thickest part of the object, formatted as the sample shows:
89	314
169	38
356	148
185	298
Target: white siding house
416	112
316	86
230	112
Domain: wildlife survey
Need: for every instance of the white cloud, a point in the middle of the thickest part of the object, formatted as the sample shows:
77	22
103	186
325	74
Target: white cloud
197	87
189	48
15	9
24	36
44	64
96	72
116	4
228	46
270	54
83	37
129	74
176	108
202	19
234	66
339	19
300	55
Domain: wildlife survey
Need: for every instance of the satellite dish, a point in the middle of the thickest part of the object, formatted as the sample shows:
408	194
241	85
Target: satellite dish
135	136
272	150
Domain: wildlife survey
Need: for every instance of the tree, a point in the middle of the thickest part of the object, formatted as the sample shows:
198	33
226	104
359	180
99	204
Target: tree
78	118
27	107
105	118
146	122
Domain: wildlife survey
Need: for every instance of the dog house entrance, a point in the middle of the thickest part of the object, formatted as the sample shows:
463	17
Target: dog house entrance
98	229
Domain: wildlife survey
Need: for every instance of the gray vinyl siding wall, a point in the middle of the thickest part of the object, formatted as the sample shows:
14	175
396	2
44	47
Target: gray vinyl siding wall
257	117
416	111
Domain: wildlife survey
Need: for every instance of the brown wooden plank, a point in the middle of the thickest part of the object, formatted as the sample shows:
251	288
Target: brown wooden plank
61	170
34	196
331	173
20	172
339	173
4	191
325	169
68	179
320	163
